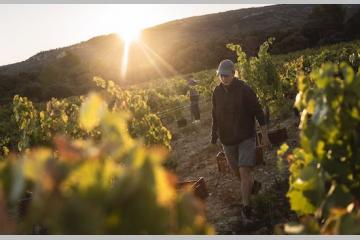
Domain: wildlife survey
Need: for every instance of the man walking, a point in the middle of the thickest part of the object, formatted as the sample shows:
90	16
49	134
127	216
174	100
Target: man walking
234	109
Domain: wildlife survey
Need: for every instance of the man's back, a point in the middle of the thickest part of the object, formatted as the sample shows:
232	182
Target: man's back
234	110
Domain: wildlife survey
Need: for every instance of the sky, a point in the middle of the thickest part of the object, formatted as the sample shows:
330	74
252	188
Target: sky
30	28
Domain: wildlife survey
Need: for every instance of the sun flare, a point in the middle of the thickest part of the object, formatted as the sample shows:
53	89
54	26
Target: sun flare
128	35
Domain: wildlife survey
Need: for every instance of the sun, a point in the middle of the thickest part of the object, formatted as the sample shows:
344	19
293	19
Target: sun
128	35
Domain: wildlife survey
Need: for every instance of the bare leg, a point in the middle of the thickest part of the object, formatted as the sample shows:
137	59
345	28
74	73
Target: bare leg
246	184
236	172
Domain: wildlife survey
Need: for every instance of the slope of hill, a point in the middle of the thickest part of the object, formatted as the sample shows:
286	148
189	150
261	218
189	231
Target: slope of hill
172	48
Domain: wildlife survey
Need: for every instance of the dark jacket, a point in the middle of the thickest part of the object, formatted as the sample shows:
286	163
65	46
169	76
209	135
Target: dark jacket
234	109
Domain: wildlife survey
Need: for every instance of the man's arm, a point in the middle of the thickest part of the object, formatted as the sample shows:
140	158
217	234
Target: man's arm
214	135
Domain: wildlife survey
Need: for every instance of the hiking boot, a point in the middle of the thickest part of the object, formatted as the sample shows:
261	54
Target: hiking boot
256	187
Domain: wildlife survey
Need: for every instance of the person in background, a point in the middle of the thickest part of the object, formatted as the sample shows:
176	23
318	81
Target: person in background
194	100
235	107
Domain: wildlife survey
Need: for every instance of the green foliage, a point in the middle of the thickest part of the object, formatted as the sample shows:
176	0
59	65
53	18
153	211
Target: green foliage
262	75
114	185
169	98
169	108
313	58
143	122
288	73
260	72
325	170
8	132
207	81
26	117
38	127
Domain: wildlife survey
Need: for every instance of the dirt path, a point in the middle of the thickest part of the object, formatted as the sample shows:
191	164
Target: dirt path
196	157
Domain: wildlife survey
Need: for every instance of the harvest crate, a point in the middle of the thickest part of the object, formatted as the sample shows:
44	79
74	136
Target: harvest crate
278	136
198	187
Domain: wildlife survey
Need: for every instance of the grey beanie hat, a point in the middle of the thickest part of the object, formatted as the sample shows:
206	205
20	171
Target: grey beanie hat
226	67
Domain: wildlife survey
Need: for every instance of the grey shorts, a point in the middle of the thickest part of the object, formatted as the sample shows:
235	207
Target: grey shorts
242	154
